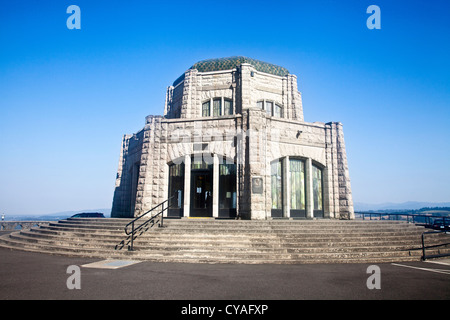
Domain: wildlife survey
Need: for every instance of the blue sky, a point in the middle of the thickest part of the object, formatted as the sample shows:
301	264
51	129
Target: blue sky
68	96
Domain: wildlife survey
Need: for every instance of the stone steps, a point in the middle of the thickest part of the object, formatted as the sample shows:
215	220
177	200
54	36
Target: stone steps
232	241
273	245
160	235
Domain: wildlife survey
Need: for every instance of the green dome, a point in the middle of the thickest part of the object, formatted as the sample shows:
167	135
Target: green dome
233	62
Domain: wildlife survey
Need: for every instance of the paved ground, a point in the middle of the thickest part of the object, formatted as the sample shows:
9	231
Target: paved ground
25	275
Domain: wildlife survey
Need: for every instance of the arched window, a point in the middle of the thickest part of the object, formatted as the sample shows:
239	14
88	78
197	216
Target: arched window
317	191
304	197
271	109
217	107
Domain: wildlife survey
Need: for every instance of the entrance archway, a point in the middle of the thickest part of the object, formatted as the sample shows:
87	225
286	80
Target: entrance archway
201	189
202	186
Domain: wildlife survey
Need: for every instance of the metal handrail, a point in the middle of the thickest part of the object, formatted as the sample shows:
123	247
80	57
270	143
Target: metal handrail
408	215
424	257
131	234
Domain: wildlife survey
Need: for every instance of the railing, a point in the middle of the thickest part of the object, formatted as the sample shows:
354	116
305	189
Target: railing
424	219
143	227
424	256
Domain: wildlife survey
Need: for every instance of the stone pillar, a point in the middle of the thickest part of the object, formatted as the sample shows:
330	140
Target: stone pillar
256	164
119	208
338	177
168	102
346	210
309	190
243	98
165	187
189	94
187	185
286	189
246	86
295	99
215	202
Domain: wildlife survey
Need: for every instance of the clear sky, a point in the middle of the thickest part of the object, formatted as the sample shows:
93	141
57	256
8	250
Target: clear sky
68	96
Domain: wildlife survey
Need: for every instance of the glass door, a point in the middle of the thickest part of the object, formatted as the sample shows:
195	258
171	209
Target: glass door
201	189
227	190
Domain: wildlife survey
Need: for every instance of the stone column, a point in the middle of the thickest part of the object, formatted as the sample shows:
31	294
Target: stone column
119	209
189	93
215	202
346	210
295	102
338	178
256	165
187	185
165	187
286	189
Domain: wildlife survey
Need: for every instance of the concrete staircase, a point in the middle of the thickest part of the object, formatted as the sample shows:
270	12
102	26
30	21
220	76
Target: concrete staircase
233	241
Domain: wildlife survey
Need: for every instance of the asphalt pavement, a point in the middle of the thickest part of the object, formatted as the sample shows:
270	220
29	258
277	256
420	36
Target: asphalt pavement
28	275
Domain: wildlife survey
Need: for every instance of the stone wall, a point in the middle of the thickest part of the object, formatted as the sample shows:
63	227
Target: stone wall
244	85
18	225
124	200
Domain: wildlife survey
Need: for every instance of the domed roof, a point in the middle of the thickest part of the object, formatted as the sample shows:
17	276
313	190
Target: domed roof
233	62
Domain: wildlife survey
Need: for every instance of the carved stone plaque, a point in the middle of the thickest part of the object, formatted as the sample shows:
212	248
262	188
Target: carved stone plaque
257	185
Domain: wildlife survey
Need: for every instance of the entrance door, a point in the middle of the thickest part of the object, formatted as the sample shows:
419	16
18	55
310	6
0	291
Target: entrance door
201	193
227	190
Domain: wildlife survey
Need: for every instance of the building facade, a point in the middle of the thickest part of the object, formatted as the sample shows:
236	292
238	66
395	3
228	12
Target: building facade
233	144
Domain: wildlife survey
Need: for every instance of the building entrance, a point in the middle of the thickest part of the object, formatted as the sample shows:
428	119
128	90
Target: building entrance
201	192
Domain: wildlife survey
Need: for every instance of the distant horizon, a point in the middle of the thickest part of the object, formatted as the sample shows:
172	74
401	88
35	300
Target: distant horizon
408	205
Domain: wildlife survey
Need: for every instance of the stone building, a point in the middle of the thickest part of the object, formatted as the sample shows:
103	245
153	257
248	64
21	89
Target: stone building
233	144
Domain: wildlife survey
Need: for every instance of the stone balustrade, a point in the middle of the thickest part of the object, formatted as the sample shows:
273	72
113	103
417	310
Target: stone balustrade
18	225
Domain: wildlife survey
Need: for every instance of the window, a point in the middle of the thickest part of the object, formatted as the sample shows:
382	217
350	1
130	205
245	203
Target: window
276	181
278	111
176	189
271	110
227	190
269	106
200	164
297	184
317	191
297	188
228	107
217	107
206	112
260	105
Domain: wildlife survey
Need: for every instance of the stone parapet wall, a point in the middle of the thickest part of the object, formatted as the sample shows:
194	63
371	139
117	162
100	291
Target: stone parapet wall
17	225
